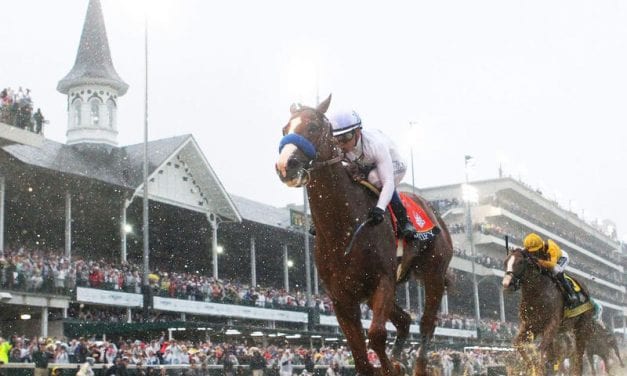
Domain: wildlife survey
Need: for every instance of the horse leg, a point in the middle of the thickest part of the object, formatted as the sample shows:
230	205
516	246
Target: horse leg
614	345
580	347
382	305
522	340
401	321
591	361
349	318
434	290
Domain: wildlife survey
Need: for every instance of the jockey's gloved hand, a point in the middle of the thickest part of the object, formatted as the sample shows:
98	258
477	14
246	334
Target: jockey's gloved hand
376	215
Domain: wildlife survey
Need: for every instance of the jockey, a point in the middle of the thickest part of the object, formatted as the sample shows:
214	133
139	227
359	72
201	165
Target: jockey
598	312
551	257
378	158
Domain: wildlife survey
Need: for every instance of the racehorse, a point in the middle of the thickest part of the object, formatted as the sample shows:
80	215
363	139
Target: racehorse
542	312
311	157
602	343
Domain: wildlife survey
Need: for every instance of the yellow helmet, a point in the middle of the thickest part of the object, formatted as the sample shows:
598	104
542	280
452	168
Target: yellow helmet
533	242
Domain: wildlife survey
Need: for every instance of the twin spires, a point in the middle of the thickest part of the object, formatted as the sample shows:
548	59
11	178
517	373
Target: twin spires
93	85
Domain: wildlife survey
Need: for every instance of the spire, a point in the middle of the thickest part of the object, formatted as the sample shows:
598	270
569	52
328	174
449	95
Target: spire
93	65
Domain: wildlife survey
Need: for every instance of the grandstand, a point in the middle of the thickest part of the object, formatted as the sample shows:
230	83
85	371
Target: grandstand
71	245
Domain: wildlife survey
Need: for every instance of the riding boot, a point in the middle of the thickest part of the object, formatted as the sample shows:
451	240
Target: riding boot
571	297
404	226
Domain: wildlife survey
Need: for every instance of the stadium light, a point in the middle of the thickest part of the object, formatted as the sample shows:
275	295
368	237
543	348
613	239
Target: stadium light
220	249
128	228
470	194
256	334
25	316
302	79
290	263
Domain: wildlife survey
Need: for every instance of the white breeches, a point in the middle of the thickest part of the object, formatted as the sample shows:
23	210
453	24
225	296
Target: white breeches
562	263
399	173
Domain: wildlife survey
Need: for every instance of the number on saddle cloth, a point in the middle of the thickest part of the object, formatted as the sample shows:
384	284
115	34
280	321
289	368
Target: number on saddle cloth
417	214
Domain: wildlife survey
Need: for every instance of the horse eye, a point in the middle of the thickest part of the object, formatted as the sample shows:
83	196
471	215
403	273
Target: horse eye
313	127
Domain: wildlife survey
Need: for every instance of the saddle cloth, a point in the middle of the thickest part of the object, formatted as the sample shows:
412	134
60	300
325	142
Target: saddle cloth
584	304
573	283
416	214
415	211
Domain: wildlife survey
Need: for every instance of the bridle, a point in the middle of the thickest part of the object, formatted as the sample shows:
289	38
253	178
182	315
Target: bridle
528	260
307	147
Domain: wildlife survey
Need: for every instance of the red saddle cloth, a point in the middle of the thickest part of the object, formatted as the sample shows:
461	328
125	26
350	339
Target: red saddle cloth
416	214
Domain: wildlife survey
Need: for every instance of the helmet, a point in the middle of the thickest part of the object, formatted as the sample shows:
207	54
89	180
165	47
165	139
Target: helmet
533	242
344	121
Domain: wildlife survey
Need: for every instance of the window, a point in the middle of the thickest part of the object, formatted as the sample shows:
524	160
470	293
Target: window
76	112
111	112
94	112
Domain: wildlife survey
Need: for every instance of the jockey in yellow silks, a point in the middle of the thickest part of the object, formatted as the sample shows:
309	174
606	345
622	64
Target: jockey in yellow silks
552	258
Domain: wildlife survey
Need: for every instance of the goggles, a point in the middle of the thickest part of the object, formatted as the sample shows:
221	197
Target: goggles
346	137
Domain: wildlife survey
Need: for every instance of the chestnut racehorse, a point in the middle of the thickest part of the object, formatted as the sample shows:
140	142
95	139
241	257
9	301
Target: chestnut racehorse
541	313
310	156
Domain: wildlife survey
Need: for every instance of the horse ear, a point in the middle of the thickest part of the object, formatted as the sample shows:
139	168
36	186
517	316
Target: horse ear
295	107
324	105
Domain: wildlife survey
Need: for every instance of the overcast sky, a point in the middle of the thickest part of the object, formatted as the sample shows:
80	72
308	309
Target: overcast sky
539	87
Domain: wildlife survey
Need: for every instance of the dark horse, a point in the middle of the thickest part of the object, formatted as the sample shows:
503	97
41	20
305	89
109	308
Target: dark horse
542	312
311	157
602	343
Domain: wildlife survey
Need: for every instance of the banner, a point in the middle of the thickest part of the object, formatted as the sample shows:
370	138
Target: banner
228	310
114	298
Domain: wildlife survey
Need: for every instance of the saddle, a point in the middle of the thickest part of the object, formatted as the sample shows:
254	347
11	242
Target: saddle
583	305
416	214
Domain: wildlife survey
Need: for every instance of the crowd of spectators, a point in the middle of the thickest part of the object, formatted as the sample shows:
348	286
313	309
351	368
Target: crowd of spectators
52	272
556	224
487	261
445	204
16	108
195	357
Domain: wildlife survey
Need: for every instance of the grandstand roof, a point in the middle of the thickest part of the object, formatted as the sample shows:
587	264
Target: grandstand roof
118	166
261	213
123	166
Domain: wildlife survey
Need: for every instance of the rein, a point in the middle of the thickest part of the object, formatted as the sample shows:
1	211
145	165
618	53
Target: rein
530	260
307	147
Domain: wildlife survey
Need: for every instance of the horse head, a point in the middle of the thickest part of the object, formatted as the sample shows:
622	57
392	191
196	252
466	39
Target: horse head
307	143
516	263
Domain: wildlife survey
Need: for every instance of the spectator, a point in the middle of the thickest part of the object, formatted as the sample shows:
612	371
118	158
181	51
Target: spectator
5	347
41	357
285	363
334	369
257	362
81	351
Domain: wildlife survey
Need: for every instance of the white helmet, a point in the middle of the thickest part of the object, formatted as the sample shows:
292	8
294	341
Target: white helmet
344	121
